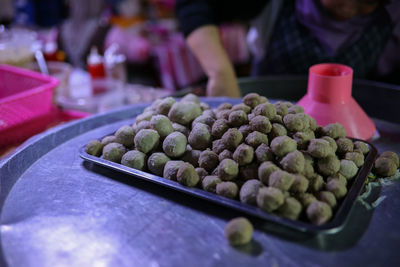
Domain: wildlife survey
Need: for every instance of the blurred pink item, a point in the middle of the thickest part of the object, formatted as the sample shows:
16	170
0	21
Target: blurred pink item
233	37
329	100
24	96
177	64
135	47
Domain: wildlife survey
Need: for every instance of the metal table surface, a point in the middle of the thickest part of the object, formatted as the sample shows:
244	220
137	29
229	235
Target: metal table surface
57	210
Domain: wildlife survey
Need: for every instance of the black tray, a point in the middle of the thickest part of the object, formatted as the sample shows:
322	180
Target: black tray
338	221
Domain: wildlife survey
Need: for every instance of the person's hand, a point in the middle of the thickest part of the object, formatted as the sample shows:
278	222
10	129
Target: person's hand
205	43
223	84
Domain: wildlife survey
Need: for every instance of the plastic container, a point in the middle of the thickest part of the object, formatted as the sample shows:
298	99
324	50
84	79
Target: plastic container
329	100
24	96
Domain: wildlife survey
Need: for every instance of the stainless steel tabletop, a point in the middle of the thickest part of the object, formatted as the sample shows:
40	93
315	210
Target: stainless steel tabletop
57	210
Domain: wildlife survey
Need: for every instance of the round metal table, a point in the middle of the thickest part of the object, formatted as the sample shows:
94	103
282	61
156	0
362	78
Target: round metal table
57	210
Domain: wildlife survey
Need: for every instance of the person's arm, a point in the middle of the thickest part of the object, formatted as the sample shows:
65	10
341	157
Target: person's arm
198	20
205	42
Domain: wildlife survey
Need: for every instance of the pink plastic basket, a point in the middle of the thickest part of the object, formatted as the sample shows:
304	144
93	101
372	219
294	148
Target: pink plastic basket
24	96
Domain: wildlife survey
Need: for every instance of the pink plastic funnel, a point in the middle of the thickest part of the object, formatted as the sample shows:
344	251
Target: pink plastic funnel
329	100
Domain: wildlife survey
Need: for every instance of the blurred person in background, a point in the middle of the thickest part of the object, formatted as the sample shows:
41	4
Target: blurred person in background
289	36
83	29
6	12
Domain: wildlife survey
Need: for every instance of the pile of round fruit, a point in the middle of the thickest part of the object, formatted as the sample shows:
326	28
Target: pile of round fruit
270	155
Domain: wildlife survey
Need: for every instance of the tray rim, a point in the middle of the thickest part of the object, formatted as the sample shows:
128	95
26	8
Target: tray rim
333	226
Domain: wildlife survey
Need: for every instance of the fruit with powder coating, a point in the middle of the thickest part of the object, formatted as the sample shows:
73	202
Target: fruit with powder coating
245	130
162	125
205	119
232	138
277	130
174	144
209	183
192	156
261	124
265	109
334	130
242	106
337	188
252	100
356	157
344	145
180	128
208	160
348	168
296	122
306	198
200	137
156	163
146	140
243	154
319	148
331	142
295	109
291	208
277	119
239	231
384	167
265	170
269	198
141	125
94	148
264	153
228	169
219	128
134	159
187	175
300	184
226	154
218	146
319	212
201	172
293	162
191	98
303	139
282	145
249	190
223	114
316	183
108	139
328	198
113	152
223	106
165	105
281	108
227	189
338	177
329	165
256	138
171	169
145	116
184	112
237	118
125	135
281	179
361	147
391	155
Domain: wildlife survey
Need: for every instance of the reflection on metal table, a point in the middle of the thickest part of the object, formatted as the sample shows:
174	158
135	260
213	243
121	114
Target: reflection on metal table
57	210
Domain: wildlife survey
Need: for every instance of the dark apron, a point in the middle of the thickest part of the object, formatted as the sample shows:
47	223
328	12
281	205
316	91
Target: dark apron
293	49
